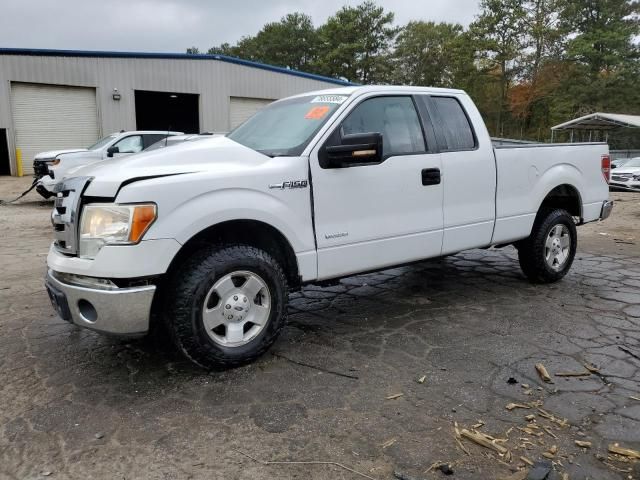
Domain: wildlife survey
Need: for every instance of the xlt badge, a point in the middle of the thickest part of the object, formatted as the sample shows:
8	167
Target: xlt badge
290	184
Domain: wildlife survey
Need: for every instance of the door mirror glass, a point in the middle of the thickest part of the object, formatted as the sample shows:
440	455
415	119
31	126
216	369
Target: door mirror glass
112	150
353	150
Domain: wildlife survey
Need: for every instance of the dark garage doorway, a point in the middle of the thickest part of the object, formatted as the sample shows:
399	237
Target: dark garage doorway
167	111
5	166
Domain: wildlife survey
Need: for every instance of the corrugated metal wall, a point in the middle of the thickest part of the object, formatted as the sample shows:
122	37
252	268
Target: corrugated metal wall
215	82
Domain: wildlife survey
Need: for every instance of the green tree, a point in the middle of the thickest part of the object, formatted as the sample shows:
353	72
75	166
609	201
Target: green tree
499	33
355	43
604	33
193	50
429	54
223	49
291	43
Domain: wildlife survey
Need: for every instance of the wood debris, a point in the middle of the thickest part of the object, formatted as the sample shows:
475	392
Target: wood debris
634	398
395	395
513	406
458	437
484	440
530	418
625	452
582	443
591	368
542	371
388	443
573	374
478	425
552	418
548	430
422	379
527	461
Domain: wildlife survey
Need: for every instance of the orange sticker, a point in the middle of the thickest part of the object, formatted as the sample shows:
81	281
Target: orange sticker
316	113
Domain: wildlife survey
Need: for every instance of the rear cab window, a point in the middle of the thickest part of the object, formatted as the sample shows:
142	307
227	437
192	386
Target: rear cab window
453	127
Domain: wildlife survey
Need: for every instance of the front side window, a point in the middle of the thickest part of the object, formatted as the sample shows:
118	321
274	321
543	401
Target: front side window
286	127
132	144
454	124
393	117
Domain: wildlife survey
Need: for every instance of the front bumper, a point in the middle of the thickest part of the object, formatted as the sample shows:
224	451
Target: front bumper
607	206
120	311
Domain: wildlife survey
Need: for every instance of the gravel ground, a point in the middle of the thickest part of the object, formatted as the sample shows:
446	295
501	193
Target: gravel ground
342	384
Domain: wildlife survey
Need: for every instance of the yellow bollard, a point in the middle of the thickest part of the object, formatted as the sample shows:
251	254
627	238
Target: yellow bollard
19	162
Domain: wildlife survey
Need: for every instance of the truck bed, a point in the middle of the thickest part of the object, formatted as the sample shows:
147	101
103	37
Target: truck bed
527	173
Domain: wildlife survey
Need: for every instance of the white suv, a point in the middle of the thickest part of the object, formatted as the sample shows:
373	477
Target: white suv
51	167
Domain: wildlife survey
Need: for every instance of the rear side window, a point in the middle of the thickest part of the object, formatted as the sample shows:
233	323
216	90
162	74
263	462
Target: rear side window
395	118
454	124
151	138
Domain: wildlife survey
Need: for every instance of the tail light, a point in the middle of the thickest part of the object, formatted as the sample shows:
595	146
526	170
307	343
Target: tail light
606	167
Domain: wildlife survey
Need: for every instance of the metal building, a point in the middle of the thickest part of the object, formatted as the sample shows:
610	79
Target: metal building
55	99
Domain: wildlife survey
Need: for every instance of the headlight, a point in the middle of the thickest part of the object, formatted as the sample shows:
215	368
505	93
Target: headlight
55	161
113	224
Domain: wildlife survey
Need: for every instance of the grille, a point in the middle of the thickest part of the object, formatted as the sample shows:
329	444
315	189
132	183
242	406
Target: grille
622	177
40	169
65	216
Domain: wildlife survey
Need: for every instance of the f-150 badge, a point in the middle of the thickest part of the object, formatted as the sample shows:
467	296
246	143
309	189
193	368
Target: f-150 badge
290	184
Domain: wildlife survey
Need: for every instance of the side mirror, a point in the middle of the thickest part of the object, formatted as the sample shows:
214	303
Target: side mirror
112	150
354	150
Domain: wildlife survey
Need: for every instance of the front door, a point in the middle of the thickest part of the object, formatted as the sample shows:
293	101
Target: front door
377	215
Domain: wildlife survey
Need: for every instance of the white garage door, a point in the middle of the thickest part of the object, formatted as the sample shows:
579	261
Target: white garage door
241	108
51	117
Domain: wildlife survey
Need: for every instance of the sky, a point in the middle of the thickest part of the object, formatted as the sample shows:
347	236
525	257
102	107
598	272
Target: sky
174	25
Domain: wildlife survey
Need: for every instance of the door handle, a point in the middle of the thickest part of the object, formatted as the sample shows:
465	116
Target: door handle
431	176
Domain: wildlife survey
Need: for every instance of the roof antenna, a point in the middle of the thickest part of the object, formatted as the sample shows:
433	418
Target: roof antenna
166	139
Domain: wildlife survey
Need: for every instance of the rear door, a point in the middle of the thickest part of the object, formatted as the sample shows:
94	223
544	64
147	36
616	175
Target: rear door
468	172
377	215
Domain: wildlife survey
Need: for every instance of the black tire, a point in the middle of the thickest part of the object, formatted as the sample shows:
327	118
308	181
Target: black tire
186	293
531	251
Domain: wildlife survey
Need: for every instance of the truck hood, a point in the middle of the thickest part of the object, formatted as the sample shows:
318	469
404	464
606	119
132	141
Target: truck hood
218	154
55	153
634	170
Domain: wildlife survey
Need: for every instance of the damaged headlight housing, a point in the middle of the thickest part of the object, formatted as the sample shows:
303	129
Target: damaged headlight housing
113	224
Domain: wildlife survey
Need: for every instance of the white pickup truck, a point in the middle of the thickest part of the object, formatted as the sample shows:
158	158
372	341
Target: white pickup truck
52	166
208	238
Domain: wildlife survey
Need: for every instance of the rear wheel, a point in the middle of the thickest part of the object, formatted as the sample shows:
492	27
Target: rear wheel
226	305
547	255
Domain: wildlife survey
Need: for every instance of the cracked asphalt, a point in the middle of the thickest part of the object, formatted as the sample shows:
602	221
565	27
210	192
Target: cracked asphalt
74	404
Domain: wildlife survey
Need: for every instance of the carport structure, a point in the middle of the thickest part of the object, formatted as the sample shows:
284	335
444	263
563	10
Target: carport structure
598	124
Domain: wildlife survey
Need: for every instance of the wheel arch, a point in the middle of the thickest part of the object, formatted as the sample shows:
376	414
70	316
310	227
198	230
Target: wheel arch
565	196
247	232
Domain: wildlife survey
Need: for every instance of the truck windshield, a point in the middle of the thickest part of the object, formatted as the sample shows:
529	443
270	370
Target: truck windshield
284	128
102	142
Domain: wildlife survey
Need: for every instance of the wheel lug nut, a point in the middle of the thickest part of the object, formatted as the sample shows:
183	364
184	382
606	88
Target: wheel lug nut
230	317
227	307
235	297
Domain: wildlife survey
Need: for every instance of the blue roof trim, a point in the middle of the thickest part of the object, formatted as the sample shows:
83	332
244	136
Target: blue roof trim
45	52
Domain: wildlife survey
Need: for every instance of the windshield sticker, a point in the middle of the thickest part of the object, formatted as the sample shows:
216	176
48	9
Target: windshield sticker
316	113
339	99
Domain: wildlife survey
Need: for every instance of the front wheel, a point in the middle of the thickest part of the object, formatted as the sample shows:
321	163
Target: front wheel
547	254
226	305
